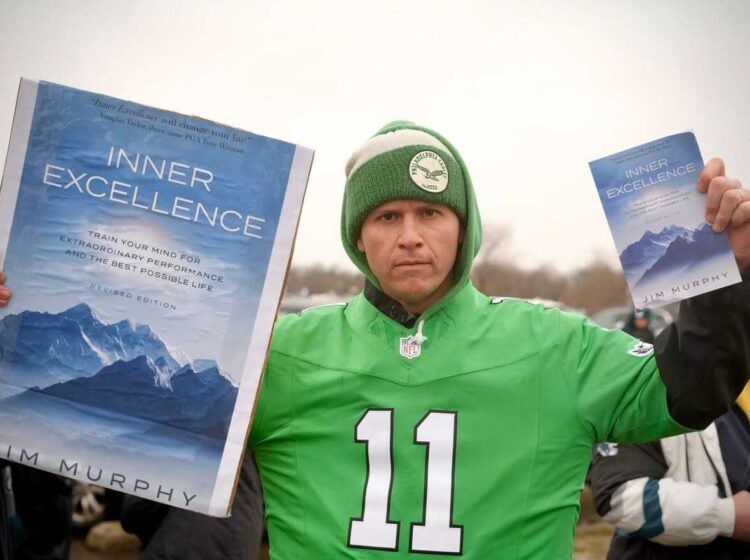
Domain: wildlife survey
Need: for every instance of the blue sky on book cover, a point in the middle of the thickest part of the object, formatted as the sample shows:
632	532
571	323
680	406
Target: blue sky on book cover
657	219
140	247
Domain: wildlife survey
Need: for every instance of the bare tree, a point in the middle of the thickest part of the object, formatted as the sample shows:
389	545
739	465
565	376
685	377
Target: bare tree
492	257
595	287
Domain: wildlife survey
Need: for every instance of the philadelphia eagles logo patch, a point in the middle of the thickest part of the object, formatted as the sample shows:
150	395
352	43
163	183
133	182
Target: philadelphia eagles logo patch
429	172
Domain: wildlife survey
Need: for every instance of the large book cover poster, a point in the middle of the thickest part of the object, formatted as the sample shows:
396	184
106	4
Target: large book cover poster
147	252
667	249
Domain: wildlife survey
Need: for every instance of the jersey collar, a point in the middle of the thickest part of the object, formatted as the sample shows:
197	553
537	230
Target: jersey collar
388	306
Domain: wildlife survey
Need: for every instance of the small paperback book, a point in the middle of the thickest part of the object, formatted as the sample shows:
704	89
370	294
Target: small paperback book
657	217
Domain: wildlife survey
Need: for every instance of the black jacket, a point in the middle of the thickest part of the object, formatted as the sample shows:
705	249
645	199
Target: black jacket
169	533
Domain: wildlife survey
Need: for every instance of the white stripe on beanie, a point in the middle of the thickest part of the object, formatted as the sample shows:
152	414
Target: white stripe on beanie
394	140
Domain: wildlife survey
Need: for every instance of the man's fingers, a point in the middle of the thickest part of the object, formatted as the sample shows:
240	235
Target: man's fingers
742	214
4	292
714	168
734	209
730	203
718	187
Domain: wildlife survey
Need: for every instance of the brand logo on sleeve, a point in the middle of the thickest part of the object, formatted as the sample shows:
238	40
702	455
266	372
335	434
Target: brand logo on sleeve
607	449
641	349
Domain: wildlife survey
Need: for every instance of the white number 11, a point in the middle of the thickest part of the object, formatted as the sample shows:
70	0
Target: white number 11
436	533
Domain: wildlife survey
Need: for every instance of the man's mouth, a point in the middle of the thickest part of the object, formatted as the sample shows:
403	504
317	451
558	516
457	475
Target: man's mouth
411	262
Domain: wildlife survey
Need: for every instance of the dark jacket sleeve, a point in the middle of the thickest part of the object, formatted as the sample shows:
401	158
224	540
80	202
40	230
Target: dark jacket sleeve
704	357
178	534
44	507
609	471
142	517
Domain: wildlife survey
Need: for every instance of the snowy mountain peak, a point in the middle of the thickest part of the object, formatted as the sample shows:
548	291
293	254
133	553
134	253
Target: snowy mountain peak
642	254
80	313
692	246
200	365
669	229
162	372
193	403
125	324
48	348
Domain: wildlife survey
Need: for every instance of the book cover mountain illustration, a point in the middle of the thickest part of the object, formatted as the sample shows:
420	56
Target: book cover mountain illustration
667	250
147	252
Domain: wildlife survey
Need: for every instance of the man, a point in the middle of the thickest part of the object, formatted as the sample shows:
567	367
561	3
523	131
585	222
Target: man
424	418
683	497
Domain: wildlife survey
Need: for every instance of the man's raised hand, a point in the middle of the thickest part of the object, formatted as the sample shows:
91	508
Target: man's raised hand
727	208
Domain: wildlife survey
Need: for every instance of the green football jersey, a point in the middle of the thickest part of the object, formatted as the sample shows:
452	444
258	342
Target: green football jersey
469	436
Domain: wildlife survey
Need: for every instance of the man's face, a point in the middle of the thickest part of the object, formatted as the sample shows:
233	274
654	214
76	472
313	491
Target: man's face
411	247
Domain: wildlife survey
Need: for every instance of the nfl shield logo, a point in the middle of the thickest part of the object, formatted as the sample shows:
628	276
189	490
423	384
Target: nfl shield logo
410	348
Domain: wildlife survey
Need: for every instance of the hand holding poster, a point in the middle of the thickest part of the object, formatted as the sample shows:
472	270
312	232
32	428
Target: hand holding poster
656	216
147	252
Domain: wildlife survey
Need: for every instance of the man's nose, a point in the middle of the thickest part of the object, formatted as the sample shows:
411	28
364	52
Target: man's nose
410	236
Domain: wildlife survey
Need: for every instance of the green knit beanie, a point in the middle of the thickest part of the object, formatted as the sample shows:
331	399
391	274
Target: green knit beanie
401	163
407	161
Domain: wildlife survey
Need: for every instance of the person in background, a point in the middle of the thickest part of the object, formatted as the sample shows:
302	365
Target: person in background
683	497
639	325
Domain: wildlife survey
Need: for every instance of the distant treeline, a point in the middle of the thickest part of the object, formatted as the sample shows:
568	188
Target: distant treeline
590	288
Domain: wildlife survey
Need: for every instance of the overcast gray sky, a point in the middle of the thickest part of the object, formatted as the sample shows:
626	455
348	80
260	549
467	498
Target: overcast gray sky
529	92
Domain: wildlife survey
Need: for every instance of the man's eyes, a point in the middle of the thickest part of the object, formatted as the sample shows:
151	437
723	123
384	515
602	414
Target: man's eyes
393	216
